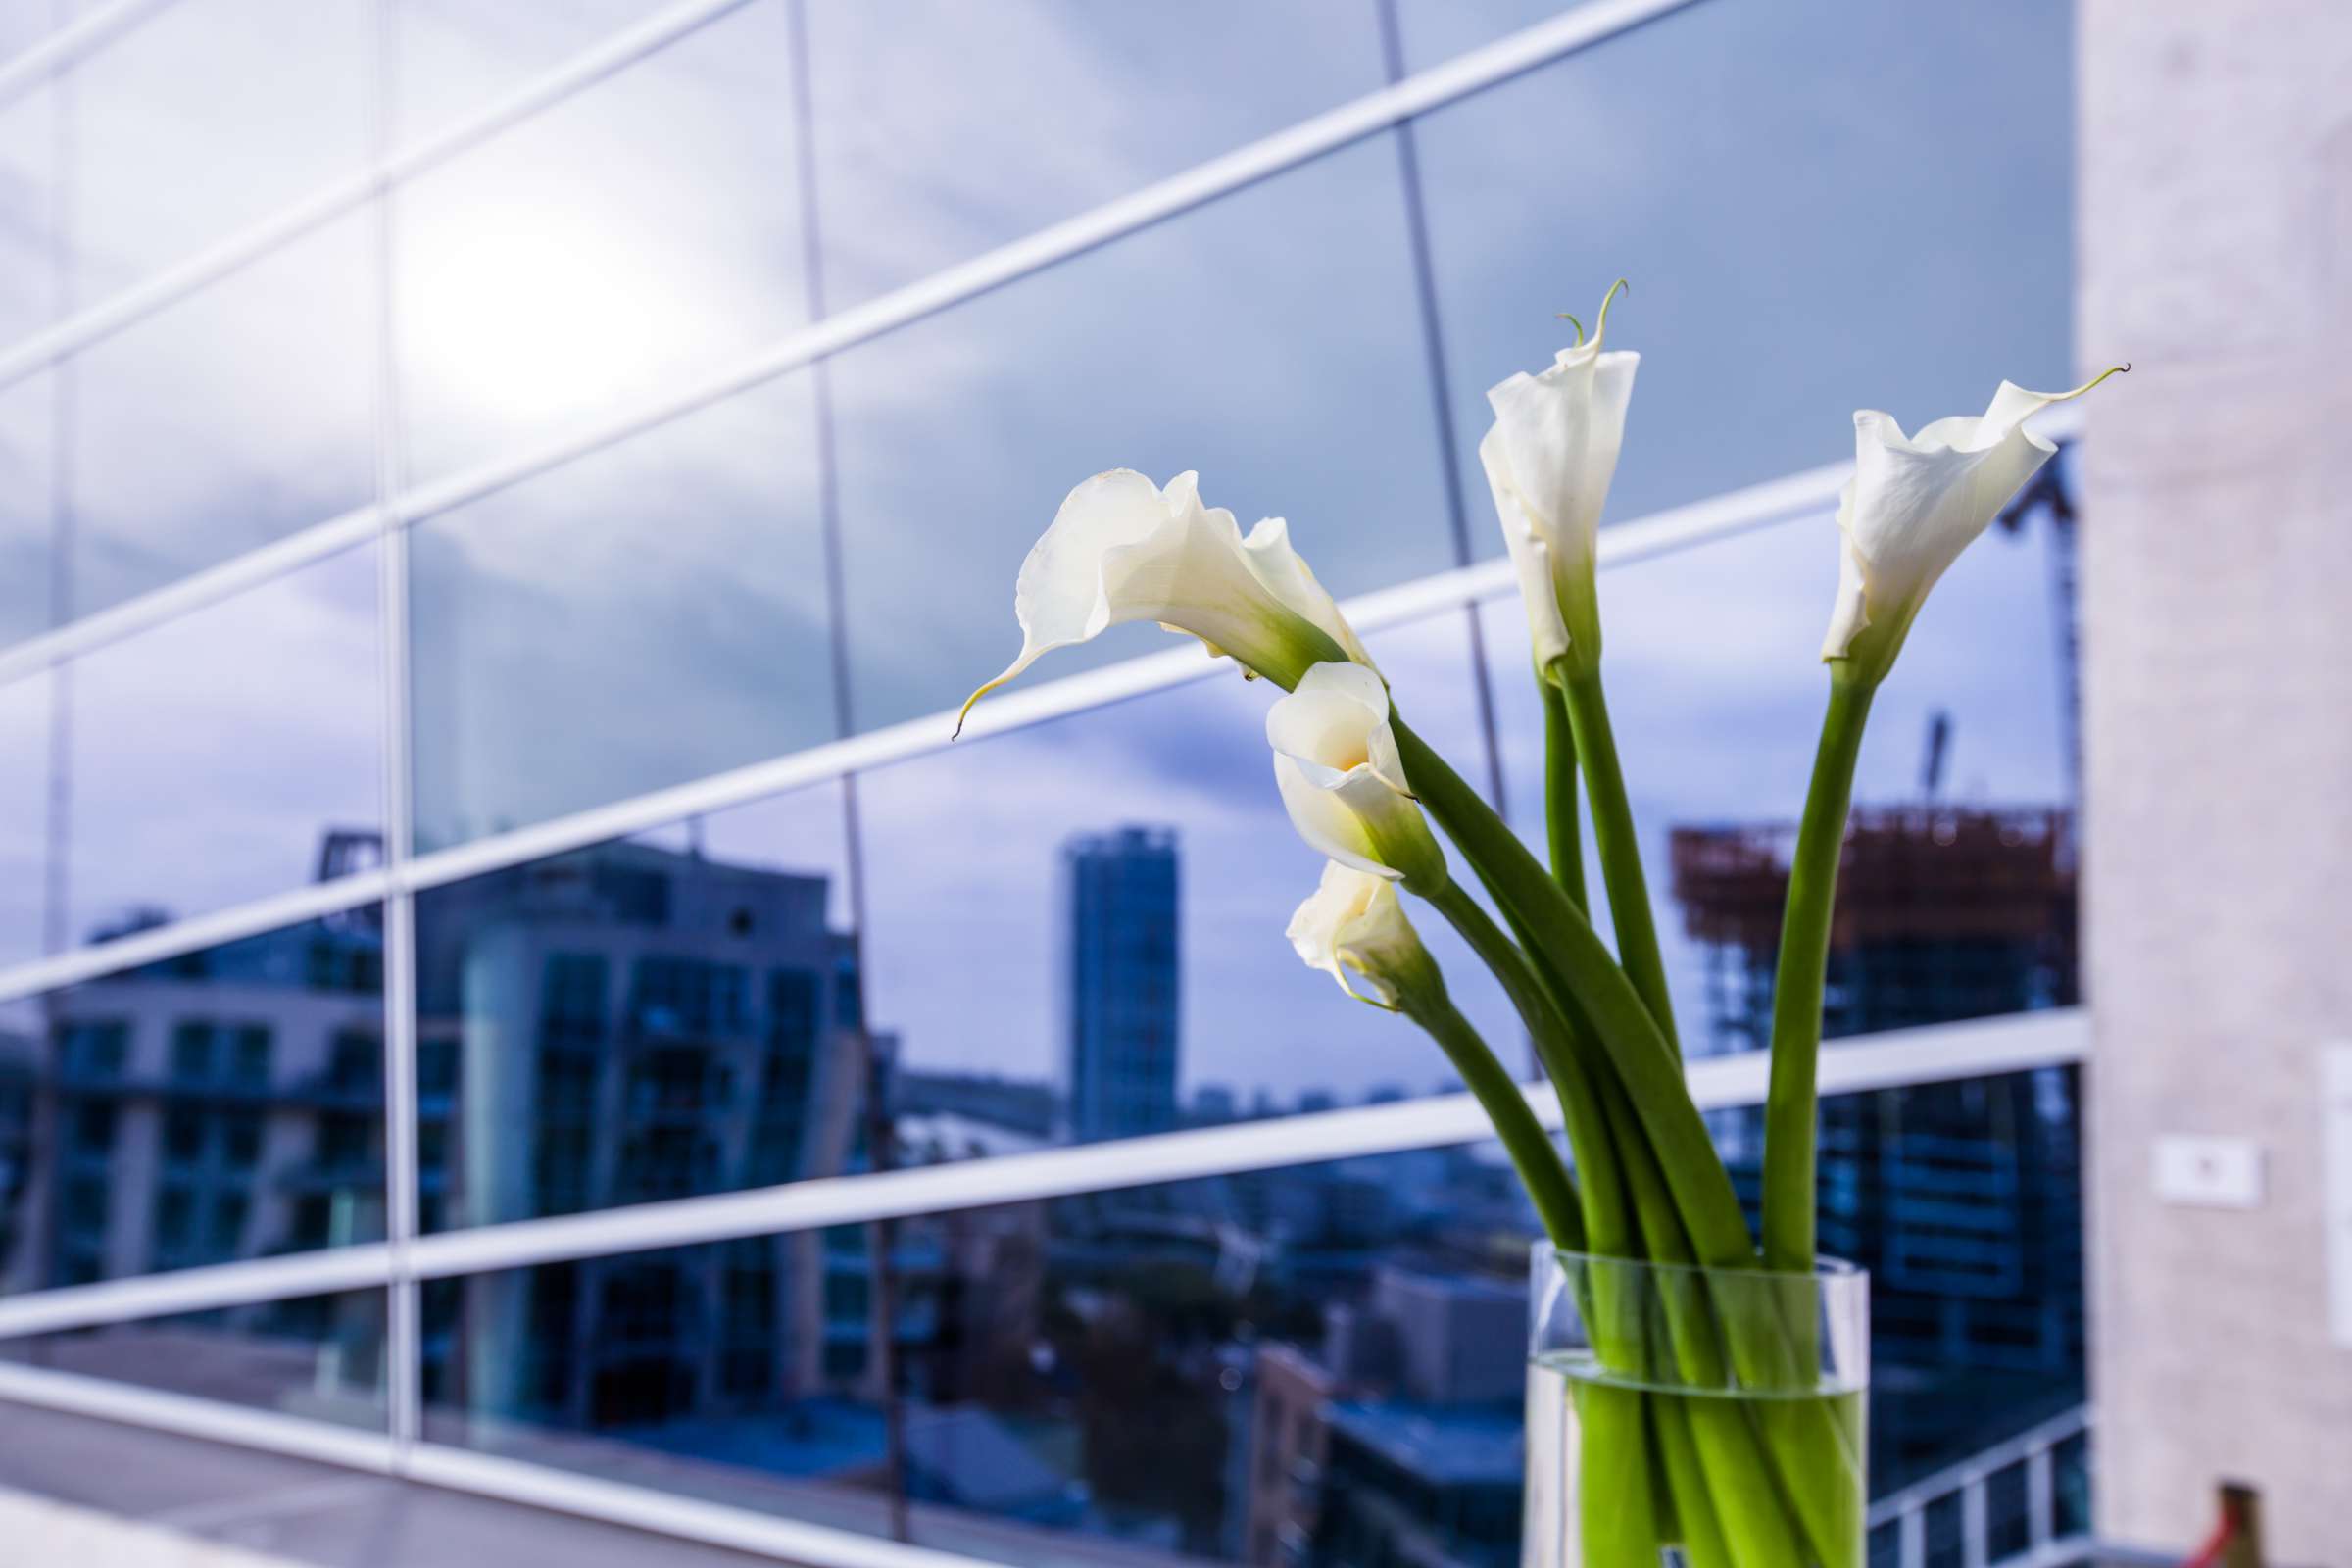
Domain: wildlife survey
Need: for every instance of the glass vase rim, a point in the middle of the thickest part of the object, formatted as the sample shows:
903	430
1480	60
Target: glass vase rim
1824	1270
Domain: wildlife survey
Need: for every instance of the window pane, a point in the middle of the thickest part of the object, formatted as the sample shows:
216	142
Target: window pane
601	251
456	57
1017	886
130	1140
1323	1357
647	1020
162	170
230	753
1267	340
932	150
234	418
317	1356
29	260
28	508
1790	262
646	615
24	816
1969	908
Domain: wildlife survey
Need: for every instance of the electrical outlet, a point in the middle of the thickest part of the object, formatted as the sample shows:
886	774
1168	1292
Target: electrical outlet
2209	1172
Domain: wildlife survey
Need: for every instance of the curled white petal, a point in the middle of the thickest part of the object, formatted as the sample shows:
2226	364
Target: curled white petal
1354	921
1549	458
1916	502
1530	556
1121	548
1285	574
1341	780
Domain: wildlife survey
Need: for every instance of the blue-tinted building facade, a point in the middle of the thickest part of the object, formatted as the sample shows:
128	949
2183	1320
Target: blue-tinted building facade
1121	986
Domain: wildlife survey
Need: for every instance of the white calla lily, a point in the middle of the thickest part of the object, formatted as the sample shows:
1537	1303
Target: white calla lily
1124	549
1354	921
1549	458
1914	504
1342	781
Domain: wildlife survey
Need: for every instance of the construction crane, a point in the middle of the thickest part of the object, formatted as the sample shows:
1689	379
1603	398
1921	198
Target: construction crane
2047	493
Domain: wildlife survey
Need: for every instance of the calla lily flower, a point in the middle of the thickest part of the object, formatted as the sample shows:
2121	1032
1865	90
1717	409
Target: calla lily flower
1549	458
1123	548
1335	764
1354	921
1914	504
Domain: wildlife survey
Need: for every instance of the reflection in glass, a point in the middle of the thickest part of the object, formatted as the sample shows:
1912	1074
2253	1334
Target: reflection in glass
234	418
601	251
1714	652
455	58
1695	156
28	508
931	148
645	616
1267	340
318	1356
1311	1363
224	1104
25	720
647	1020
231	753
1077	928
28	261
163	166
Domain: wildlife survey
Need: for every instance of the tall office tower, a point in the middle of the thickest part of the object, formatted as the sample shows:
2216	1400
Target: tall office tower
1119	984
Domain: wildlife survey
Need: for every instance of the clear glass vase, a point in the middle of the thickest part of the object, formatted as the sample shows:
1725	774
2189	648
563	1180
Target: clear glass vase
1709	1418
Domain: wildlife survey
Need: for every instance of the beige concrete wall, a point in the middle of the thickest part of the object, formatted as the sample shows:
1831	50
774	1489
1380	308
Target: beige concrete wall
2215	252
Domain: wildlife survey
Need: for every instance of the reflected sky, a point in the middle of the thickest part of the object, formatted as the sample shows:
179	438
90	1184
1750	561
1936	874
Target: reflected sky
657	610
165	165
211	752
1820	205
652	613
944	128
619	242
962	857
1267	341
24	816
234	418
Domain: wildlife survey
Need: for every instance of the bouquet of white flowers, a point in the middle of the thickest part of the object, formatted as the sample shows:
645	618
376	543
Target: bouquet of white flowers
1709	1410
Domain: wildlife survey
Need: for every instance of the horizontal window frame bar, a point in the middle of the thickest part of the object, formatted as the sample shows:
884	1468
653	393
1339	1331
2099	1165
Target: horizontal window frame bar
193	1416
73	43
1581	28
1773	503
570	1492
1937	1054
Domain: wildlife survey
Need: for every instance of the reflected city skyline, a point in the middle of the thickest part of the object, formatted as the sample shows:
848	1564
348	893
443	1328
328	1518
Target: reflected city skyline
1071	932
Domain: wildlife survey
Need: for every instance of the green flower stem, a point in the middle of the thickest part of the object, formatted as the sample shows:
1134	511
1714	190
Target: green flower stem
1791	1103
1559	793
1523	1137
1616	1493
1620	849
1579	976
1607	1223
1702	1540
1734	1475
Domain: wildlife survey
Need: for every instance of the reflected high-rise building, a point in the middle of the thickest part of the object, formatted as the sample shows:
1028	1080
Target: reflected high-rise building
626	1024
1120	981
225	1105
